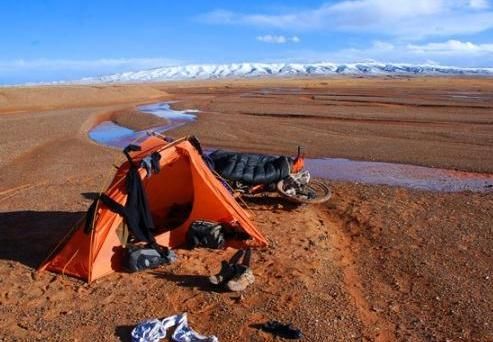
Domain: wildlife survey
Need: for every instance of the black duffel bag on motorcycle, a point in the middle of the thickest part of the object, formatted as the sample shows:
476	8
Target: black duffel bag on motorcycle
250	168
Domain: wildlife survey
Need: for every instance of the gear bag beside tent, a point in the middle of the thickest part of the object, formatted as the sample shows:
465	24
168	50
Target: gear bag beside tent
184	182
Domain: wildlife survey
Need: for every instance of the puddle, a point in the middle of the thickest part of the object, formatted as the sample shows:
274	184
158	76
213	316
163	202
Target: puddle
265	92
163	110
466	97
112	135
280	90
410	176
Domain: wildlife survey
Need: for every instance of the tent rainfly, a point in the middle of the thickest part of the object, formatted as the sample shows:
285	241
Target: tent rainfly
184	180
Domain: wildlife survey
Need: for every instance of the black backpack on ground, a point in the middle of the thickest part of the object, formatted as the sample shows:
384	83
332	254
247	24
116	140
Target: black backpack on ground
205	234
140	258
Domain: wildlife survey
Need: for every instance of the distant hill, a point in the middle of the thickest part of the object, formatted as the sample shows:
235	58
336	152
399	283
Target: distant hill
246	70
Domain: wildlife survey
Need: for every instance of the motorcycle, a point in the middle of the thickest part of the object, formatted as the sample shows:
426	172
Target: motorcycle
296	185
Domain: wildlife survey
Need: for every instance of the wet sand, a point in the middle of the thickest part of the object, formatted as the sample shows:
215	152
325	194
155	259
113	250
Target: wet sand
423	121
375	263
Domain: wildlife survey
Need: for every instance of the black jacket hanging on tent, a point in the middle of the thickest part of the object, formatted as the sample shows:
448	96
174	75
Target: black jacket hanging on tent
136	211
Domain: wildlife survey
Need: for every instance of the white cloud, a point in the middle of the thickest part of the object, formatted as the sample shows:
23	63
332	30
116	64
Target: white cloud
273	39
479	4
452	47
383	45
409	19
451	52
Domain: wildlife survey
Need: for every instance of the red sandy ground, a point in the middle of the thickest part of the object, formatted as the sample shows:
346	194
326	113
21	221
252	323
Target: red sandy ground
375	263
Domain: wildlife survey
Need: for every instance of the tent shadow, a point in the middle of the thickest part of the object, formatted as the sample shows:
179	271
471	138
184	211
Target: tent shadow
192	281
29	236
123	332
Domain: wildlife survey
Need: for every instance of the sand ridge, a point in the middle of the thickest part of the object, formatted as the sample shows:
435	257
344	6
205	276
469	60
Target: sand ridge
42	98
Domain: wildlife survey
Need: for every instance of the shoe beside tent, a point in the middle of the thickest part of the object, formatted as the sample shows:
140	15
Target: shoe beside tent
184	180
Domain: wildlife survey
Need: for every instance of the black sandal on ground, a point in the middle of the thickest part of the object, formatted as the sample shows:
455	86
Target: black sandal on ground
282	330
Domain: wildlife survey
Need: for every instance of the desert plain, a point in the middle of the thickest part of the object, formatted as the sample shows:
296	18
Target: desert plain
376	263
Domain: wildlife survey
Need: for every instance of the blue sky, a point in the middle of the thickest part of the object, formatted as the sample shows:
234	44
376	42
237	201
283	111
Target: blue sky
58	40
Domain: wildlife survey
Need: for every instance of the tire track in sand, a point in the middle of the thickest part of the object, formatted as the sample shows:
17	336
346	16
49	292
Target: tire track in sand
376	328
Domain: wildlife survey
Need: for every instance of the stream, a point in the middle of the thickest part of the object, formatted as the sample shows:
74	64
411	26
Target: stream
410	176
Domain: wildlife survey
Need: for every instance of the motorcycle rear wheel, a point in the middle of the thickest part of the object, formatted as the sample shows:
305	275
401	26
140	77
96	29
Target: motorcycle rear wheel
315	192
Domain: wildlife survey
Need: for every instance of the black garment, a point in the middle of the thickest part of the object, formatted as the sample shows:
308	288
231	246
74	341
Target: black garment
146	164
194	141
90	216
151	164
250	168
136	211
282	330
247	257
155	158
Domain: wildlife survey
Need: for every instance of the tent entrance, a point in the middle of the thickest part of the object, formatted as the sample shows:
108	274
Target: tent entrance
171	194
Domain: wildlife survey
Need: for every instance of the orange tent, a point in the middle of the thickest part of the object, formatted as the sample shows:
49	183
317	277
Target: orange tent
184	179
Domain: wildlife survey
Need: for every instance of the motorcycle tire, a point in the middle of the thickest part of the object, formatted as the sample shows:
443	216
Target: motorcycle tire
320	193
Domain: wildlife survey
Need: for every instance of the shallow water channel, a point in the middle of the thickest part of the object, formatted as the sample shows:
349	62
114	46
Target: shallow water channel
112	135
417	177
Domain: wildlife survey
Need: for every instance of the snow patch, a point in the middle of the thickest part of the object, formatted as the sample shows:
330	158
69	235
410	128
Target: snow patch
248	70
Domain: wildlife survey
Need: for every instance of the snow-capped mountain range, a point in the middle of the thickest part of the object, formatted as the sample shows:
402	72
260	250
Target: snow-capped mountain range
242	70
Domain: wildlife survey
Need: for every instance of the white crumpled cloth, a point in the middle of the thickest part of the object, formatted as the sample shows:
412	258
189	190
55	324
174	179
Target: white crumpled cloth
154	330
